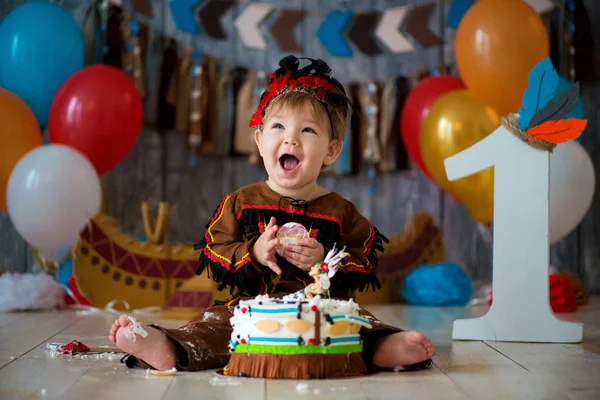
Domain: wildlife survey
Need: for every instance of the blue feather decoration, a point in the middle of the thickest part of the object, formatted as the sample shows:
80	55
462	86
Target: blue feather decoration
542	82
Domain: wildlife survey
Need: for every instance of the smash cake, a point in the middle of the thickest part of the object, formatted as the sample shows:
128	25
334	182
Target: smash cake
304	335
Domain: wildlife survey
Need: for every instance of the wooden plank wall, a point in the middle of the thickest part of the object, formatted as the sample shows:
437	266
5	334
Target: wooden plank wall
158	168
588	233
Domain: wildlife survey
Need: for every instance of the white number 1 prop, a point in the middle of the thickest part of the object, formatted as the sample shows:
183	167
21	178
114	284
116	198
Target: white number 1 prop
519	151
520	310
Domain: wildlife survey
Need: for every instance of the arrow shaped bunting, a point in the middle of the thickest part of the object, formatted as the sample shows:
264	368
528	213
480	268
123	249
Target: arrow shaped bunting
541	6
183	15
388	30
330	33
361	32
143	7
418	25
457	11
248	23
282	30
210	17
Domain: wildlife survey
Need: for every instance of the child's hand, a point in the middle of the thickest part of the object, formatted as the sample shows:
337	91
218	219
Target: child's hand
263	250
305	253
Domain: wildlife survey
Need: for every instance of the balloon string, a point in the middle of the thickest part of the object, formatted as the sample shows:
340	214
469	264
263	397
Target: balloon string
44	261
486	234
71	294
46	264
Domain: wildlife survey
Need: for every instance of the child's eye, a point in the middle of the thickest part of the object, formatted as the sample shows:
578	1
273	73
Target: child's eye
277	126
311	130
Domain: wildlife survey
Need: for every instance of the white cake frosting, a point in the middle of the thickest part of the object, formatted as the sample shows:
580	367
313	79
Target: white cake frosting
293	321
305	322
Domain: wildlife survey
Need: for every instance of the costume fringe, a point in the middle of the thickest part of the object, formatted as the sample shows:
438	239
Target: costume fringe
376	246
226	278
363	281
345	280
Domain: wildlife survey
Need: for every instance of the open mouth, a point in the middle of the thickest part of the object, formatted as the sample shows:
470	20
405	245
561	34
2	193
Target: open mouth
289	162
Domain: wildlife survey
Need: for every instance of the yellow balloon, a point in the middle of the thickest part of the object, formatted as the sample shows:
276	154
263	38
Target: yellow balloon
19	133
456	121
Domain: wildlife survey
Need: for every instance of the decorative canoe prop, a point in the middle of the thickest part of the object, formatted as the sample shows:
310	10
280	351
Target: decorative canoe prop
110	265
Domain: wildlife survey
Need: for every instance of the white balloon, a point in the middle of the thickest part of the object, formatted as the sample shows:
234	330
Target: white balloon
52	193
572	186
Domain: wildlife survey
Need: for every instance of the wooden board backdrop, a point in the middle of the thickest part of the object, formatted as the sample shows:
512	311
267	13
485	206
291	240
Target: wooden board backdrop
157	169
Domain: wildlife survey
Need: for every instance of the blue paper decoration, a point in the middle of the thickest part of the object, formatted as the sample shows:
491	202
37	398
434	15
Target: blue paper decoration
457	11
330	33
65	270
437	285
181	10
542	83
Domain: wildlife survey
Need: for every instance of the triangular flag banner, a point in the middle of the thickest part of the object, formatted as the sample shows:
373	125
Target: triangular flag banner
210	17
331	33
388	30
183	16
457	11
143	7
248	24
394	30
283	30
418	25
541	6
362	32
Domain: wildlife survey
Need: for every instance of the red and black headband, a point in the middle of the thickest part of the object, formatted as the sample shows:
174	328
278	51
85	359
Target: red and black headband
314	79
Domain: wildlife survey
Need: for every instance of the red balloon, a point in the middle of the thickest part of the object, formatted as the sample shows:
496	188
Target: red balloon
416	108
99	112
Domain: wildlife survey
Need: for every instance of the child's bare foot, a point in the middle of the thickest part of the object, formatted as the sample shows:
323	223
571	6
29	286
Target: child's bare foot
155	349
402	349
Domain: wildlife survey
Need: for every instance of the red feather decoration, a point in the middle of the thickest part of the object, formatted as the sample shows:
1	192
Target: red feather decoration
557	132
322	88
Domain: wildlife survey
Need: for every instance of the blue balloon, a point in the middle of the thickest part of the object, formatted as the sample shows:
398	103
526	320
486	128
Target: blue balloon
564	84
40	47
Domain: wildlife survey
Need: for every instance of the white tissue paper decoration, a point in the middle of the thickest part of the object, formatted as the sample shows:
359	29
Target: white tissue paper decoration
21	292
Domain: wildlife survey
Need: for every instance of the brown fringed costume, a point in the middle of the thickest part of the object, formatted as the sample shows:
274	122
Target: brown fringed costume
236	225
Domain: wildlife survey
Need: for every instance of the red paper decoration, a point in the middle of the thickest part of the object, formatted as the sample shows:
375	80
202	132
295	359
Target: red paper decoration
562	295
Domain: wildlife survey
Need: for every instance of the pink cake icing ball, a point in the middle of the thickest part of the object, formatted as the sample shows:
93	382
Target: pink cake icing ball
289	234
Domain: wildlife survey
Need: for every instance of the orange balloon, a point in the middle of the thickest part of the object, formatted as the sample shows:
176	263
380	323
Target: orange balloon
19	133
496	45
